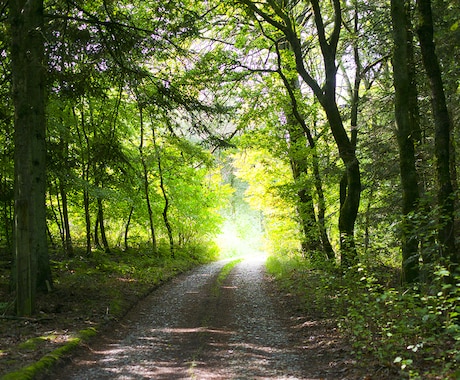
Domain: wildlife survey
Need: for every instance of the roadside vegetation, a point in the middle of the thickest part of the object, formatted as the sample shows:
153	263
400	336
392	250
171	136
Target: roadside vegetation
396	332
90	295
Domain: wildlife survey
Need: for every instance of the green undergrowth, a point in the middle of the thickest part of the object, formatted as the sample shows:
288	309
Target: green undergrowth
405	333
90	292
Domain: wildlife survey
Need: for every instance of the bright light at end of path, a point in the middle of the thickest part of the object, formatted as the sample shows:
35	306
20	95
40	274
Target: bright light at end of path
234	243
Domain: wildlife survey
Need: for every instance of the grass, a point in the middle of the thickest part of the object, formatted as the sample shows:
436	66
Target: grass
89	294
223	274
402	333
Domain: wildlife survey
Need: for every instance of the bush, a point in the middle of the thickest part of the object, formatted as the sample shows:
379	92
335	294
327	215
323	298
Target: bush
415	331
410	332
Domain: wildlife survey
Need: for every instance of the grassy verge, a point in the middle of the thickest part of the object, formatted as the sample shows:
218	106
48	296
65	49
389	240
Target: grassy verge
32	370
394	332
223	274
89	294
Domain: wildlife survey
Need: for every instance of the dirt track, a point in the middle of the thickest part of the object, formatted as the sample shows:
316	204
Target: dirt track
189	329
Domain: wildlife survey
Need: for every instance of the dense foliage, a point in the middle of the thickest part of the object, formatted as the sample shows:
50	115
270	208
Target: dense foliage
339	121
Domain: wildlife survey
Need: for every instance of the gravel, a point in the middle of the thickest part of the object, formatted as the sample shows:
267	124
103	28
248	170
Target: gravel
189	330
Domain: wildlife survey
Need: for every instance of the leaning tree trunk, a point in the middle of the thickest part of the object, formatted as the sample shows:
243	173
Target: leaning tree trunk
326	95
311	243
442	125
328	38
311	227
404	102
32	269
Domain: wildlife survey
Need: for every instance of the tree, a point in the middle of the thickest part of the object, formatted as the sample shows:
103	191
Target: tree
282	17
30	244
405	114
163	192
442	122
300	134
146	182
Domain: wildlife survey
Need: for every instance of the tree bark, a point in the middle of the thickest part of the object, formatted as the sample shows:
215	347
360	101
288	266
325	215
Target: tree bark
32	269
311	243
68	246
404	112
442	123
315	236
128	223
326	96
165	195
85	174
101	223
86	200
146	184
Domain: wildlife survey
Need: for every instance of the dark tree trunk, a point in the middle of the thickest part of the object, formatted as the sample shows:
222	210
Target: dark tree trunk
165	195
32	269
128	223
311	226
64	156
351	190
84	143
351	185
442	125
57	220
326	95
146	184
97	242
68	247
87	221
404	112
311	243
101	222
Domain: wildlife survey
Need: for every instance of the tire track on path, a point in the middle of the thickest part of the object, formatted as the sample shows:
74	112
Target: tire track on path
187	330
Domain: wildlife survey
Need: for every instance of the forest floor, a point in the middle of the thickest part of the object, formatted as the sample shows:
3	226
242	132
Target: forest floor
198	325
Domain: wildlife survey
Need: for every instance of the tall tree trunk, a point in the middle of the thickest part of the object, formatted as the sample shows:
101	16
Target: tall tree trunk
86	201
326	95
64	156
101	223
442	125
128	223
165	195
311	243
146	184
404	103
311	226
57	219
84	143
32	269
68	247
97	243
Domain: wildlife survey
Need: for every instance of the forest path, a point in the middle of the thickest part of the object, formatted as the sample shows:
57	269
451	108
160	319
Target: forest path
192	329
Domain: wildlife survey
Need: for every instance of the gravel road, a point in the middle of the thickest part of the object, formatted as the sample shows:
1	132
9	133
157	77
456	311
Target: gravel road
190	329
